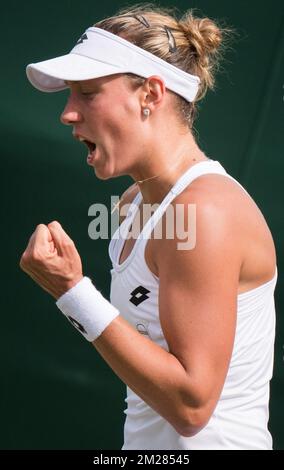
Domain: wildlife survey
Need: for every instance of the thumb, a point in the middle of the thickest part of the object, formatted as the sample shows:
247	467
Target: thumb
50	241
42	237
58	236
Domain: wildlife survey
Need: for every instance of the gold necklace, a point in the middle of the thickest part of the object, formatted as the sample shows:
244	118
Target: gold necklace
116	206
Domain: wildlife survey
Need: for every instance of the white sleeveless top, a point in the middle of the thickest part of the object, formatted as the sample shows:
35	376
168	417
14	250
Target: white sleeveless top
240	418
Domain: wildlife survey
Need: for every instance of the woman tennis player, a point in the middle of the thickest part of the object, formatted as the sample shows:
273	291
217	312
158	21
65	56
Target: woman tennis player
189	329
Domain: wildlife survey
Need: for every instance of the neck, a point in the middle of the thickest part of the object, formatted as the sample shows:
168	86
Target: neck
158	176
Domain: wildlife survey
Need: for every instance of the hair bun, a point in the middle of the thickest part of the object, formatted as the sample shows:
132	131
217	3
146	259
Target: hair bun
203	34
206	41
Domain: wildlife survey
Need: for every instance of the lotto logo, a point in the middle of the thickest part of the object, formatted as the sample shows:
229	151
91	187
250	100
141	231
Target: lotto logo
139	295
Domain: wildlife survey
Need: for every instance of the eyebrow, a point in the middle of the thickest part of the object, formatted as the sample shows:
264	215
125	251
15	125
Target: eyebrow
77	82
69	82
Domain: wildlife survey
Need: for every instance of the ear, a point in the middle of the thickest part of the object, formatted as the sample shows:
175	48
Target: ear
152	92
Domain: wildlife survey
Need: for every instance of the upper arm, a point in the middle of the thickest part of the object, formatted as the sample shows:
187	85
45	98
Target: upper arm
198	298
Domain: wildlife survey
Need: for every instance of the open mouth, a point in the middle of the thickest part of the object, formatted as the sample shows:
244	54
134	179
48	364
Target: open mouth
91	145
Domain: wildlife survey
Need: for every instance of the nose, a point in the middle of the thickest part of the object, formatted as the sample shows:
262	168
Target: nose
70	115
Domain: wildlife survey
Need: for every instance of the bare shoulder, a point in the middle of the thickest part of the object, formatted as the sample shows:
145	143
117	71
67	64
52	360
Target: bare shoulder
254	238
230	221
221	188
209	214
216	203
217	186
126	198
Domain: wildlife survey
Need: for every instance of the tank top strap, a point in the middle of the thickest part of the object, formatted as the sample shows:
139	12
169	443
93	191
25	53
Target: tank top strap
201	168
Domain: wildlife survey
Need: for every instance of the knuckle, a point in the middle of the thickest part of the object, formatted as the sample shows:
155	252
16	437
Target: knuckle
54	223
38	228
68	243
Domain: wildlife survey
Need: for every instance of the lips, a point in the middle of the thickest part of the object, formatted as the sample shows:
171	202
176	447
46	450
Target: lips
91	147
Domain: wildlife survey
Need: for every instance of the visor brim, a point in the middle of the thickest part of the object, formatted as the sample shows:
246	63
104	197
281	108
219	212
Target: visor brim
50	75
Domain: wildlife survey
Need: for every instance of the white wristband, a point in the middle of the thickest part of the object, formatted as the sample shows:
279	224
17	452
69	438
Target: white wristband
87	309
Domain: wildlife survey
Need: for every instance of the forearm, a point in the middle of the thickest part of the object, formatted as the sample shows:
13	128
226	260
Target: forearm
154	374
151	372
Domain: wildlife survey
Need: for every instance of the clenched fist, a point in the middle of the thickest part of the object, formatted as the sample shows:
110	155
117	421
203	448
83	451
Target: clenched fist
51	259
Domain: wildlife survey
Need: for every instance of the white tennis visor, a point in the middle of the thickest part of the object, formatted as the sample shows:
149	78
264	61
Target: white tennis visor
99	53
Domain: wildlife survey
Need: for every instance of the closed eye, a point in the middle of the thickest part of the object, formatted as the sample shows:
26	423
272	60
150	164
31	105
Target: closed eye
87	93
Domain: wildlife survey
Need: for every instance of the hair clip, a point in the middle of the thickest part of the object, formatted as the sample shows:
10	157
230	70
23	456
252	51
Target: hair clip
142	20
171	39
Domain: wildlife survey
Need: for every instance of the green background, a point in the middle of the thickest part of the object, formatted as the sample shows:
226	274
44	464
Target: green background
56	391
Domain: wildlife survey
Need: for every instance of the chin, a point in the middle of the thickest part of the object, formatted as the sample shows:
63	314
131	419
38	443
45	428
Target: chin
104	174
101	176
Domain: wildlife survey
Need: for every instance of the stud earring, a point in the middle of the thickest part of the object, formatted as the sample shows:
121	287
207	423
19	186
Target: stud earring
146	112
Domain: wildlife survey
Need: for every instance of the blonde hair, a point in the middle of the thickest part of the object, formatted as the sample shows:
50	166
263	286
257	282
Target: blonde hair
193	44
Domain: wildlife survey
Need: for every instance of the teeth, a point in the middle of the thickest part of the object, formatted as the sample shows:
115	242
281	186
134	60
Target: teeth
84	140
